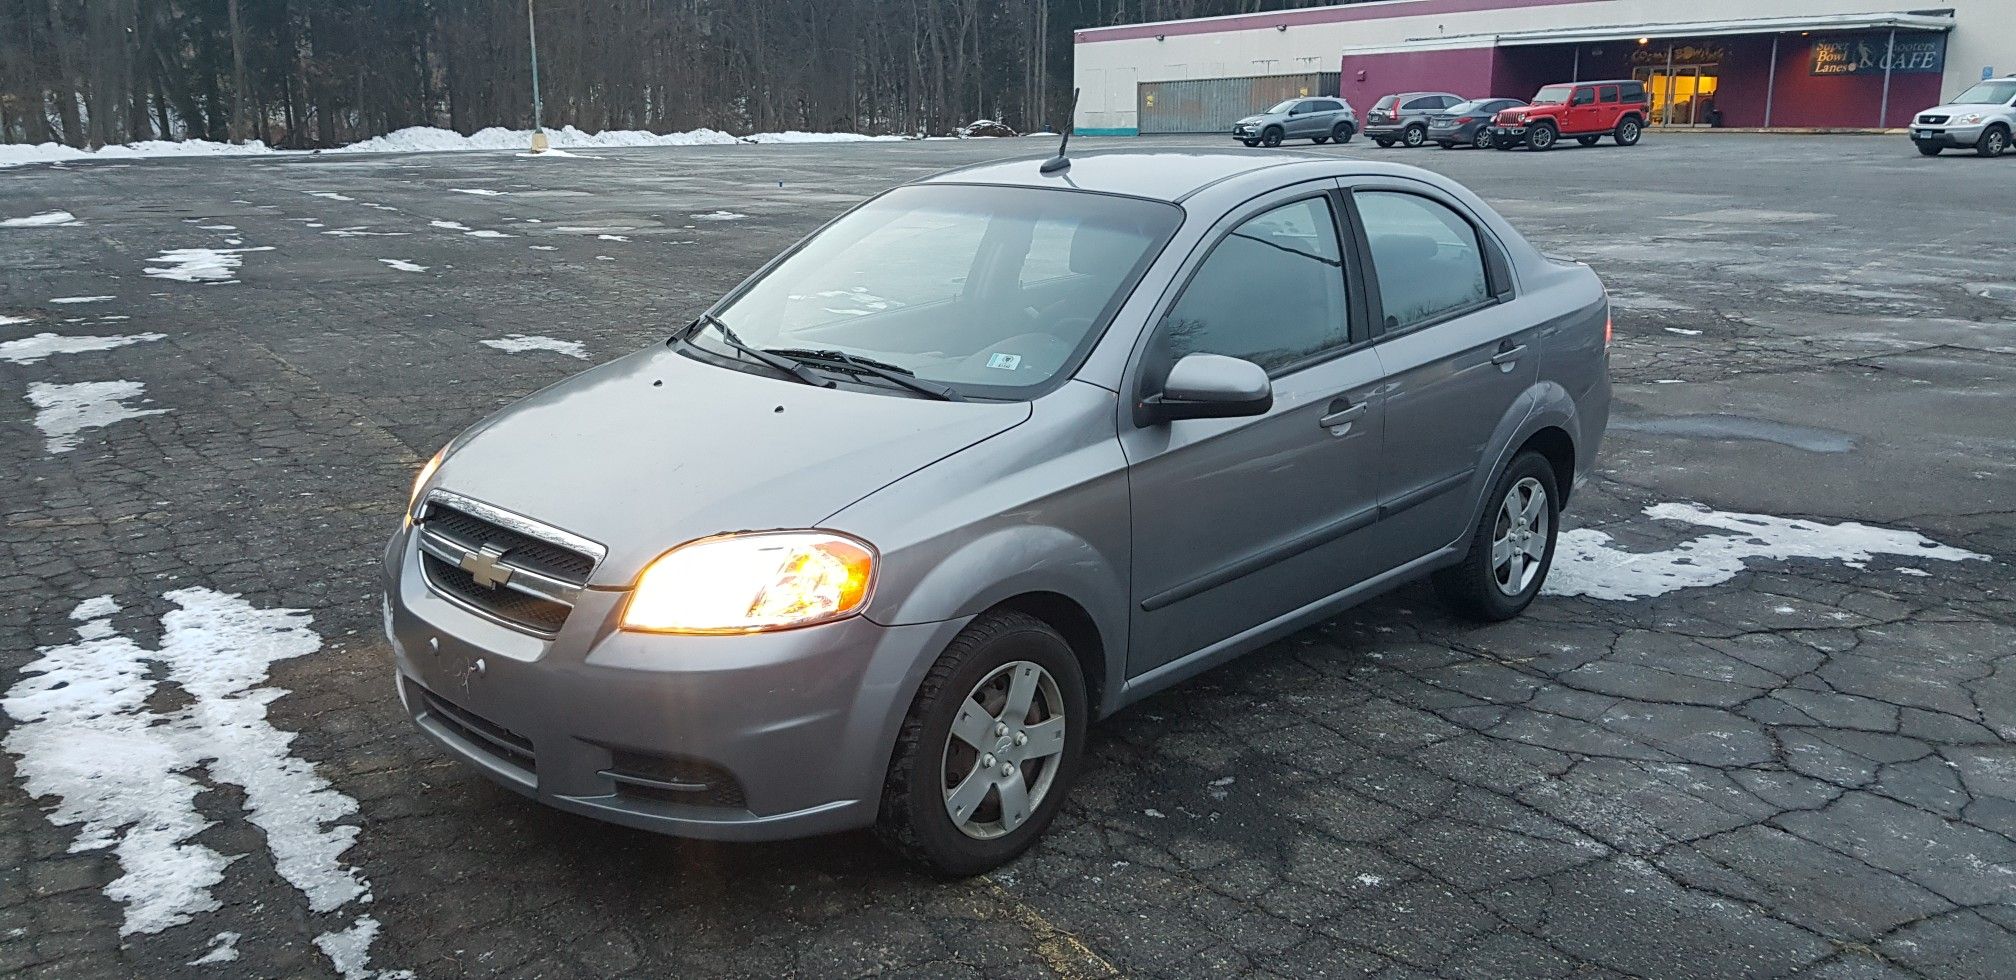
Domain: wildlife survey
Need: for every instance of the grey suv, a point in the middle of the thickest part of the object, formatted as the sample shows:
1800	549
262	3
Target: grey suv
1319	119
1980	119
1404	118
875	540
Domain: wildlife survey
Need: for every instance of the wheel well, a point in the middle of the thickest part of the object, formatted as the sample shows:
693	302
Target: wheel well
1270	126
1069	618
1555	444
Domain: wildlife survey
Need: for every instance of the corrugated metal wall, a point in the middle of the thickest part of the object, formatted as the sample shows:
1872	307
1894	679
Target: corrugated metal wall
1212	105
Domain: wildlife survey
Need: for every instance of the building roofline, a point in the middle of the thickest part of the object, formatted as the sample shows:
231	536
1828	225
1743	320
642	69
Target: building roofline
1371	10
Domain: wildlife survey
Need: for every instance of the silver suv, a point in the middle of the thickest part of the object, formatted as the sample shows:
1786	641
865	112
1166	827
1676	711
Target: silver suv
1403	118
1320	119
1981	118
875	540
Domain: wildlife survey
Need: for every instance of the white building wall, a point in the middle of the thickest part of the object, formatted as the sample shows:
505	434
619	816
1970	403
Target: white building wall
1107	71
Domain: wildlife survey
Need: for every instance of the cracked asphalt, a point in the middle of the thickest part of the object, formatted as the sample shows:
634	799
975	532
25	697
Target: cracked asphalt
1807	770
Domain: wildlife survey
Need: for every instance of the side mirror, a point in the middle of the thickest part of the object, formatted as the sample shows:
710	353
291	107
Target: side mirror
1209	386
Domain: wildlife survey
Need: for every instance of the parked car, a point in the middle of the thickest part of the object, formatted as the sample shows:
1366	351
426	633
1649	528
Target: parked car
1982	118
1585	111
1467	122
1319	119
875	540
1403	118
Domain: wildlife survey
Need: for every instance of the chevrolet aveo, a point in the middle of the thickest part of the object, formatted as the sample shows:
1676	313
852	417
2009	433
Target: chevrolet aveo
875	540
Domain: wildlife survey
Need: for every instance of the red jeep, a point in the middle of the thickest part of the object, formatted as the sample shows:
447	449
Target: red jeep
1587	111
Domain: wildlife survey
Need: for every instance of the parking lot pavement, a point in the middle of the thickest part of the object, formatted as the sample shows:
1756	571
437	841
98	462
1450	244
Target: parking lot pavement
1766	725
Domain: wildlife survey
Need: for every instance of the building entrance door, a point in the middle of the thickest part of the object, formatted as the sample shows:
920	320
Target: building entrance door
1683	95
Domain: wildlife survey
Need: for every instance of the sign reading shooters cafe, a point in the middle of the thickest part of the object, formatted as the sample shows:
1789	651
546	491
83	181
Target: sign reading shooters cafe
1862	54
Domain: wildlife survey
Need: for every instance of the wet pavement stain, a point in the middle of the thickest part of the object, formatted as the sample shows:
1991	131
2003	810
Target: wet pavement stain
1813	440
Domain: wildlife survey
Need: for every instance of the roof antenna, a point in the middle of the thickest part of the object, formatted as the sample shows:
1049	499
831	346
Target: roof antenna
1060	162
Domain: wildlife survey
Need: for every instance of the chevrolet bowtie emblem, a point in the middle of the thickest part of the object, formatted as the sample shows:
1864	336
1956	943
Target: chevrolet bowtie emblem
482	565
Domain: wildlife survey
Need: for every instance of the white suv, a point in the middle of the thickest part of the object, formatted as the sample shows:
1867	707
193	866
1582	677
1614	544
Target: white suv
1982	117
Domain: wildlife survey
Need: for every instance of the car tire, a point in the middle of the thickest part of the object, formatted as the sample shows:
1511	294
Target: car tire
1628	130
1482	140
1542	137
1507	145
989	659
1319	140
1384	142
1994	141
1414	136
1587	140
1482	586
1342	132
1929	149
1445	144
1271	136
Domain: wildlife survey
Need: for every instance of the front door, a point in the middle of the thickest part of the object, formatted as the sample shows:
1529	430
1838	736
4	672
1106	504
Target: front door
1456	361
1683	95
1237	522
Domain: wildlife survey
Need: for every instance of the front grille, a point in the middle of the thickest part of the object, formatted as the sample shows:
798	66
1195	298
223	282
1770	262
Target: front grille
529	611
672	779
529	553
1931	120
492	738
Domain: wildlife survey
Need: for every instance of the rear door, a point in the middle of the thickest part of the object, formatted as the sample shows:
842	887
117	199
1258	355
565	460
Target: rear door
1240	521
1456	357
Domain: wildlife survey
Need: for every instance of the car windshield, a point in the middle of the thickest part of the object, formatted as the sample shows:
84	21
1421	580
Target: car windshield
1553	95
1989	93
991	290
1280	107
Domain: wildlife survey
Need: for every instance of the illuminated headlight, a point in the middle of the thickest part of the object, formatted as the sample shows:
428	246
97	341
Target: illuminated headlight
1969	119
420	482
752	583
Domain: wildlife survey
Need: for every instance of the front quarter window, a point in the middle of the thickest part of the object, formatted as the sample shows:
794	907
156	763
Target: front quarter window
994	291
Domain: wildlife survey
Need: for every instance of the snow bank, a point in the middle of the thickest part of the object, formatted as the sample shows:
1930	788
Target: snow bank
423	139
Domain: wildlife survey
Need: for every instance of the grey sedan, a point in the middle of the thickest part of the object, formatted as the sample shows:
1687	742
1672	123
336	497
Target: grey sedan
875	540
1467	123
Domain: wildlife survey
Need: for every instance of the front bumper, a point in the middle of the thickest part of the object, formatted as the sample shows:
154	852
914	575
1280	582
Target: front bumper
1948	136
757	737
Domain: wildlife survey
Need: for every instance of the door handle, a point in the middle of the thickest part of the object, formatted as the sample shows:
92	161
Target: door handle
1508	355
1342	416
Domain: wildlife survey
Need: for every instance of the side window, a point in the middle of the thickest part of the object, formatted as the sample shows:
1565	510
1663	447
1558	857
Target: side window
1584	96
1328	105
1607	94
1310	106
1427	257
1271	291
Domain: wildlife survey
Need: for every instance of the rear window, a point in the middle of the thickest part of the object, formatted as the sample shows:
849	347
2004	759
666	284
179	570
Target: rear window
1386	102
1634	91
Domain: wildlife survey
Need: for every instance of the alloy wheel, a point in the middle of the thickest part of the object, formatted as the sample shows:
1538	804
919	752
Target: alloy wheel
1628	132
1002	754
1416	136
1519	538
1994	143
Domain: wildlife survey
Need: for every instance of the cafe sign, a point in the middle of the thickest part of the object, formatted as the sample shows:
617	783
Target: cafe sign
1863	54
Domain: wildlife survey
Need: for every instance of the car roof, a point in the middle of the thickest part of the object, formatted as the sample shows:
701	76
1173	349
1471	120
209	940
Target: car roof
1159	174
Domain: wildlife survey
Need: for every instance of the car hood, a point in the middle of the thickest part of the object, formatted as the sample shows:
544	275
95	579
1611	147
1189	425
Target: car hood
1250	120
1986	109
656	449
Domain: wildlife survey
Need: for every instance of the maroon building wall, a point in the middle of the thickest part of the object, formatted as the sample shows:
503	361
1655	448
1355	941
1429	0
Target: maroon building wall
1804	99
1464	71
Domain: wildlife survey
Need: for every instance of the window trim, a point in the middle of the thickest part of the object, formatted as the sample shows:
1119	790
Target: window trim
1497	270
1357	328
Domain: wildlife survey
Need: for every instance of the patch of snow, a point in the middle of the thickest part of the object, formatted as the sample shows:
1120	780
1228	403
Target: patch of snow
1370	881
449	225
218	227
1669	381
8	321
223	949
1152	812
122	771
535	248
1683	331
32	350
478	191
519	343
719	216
404	266
47	219
487	233
18	154
81	299
1587	563
363	231
62	411
214	265
349	951
1914	572
613	238
331	195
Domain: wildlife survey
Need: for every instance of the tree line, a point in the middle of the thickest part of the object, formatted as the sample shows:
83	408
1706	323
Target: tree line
315	73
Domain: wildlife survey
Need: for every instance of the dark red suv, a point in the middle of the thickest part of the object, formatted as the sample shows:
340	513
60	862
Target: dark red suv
1586	111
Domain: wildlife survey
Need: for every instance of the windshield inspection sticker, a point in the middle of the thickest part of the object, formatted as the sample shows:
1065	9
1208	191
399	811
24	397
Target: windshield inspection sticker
1004	362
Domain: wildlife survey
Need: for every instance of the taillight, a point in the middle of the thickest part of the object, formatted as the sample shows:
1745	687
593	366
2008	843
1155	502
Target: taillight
1608	327
1460	120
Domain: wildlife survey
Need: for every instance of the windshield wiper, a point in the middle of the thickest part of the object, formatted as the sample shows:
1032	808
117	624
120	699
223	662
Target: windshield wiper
783	365
857	364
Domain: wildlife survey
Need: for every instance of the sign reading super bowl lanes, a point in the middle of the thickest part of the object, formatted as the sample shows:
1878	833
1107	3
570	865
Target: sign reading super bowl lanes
1863	54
